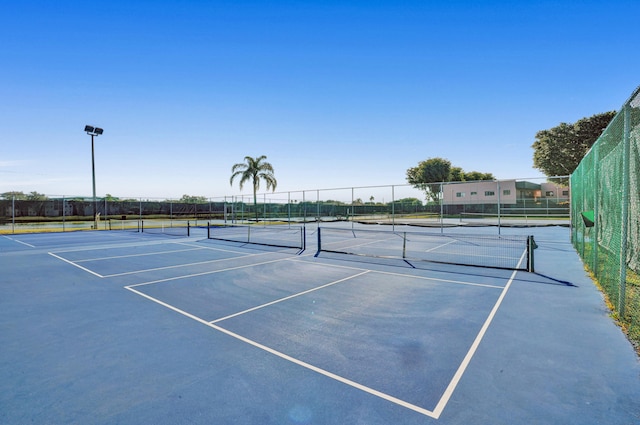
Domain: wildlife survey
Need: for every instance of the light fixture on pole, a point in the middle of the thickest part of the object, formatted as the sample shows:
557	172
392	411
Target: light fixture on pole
93	131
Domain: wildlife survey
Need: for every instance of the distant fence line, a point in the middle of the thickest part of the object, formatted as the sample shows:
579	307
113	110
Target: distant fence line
487	202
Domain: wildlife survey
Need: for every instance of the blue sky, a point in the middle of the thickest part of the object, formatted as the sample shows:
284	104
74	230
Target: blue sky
334	93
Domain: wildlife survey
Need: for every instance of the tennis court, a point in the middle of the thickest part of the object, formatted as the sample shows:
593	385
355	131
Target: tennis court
315	325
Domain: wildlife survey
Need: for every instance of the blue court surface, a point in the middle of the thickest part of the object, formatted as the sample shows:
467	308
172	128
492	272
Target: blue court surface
115	327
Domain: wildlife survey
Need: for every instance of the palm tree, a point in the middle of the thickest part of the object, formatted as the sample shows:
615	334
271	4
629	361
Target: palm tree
254	169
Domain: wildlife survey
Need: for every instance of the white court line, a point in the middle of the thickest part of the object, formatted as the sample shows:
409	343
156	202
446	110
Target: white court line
74	264
467	359
448	391
137	255
316	369
439	246
211	248
289	297
16	240
457	282
198	263
176	266
207	273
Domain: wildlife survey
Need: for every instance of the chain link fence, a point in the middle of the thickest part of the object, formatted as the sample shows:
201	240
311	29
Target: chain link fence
504	203
605	208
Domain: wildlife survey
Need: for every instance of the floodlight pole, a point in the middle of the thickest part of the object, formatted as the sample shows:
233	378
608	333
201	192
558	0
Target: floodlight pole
93	131
93	177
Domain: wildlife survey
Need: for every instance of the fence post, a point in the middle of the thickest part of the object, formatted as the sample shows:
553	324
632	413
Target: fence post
441	207
393	209
625	210
498	190
13	214
596	222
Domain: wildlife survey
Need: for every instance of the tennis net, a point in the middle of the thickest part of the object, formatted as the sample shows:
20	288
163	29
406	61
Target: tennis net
272	235
128	225
492	251
171	228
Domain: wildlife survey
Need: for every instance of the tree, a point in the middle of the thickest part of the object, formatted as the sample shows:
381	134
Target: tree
254	169
188	199
473	176
35	196
428	174
20	196
456	174
558	150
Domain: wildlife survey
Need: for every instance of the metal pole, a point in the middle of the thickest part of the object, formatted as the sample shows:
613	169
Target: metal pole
596	211
289	208
498	189
93	174
393	209
624	218
353	209
441	207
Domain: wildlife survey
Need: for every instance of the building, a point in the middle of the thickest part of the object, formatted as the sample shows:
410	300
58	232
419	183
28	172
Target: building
504	192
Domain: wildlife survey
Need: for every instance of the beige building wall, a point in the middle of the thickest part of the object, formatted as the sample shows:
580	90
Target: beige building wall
483	192
554	191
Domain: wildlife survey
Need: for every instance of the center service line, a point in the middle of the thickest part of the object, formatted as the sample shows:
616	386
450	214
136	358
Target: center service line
288	298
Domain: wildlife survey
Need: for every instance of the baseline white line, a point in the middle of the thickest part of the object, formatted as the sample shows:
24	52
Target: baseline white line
74	264
288	298
316	369
467	359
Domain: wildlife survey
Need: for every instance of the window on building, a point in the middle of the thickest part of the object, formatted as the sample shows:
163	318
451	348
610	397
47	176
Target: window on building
506	192
489	193
565	193
474	193
548	193
459	194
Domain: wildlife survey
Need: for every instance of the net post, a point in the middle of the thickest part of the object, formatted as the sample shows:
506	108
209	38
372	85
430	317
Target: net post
531	245
404	244
208	230
141	226
319	242
303	236
188	228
